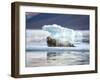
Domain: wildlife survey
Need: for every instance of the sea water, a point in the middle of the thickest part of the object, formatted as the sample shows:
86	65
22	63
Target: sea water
57	56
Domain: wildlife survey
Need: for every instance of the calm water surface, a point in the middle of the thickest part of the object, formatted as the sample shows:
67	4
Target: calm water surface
56	58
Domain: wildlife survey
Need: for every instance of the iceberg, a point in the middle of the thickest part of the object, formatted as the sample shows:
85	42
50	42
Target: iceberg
64	34
59	32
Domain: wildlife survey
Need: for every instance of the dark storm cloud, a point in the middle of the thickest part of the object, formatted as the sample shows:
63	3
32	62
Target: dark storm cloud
37	20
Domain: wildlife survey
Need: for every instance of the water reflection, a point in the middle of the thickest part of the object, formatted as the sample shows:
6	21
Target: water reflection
56	58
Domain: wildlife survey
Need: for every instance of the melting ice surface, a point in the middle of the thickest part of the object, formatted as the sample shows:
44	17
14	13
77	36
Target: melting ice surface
39	54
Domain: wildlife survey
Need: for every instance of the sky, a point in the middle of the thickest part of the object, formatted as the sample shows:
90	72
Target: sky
72	21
